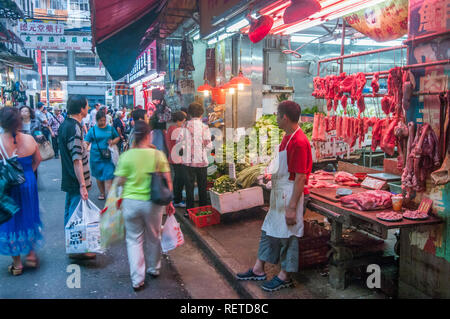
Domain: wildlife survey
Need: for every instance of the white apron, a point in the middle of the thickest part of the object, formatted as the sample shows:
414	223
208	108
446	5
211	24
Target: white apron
282	188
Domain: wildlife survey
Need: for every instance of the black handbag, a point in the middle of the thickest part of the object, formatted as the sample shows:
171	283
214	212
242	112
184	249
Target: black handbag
160	192
8	206
11	171
104	153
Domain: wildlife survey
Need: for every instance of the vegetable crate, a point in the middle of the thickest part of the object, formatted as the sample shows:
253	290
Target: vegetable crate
205	220
236	201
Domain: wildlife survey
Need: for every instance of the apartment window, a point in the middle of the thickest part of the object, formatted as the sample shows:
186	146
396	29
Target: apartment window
79	5
40	4
57	58
58	4
86	59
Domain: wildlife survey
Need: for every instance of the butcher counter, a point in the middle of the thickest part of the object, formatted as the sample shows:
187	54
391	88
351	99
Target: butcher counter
324	202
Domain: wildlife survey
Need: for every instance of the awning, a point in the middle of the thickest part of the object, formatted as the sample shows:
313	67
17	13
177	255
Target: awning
17	61
123	88
10	10
118	27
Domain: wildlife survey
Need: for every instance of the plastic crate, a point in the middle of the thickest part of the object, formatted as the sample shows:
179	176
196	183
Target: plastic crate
206	220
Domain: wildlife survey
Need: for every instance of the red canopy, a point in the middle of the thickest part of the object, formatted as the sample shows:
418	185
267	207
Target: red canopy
112	16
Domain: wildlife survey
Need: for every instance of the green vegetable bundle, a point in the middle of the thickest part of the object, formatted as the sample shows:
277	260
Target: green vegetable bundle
225	185
248	176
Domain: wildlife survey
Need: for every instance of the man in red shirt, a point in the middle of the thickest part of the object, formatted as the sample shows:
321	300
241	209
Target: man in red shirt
284	221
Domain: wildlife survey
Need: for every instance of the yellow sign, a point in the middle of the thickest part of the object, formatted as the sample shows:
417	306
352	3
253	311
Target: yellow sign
55	96
383	22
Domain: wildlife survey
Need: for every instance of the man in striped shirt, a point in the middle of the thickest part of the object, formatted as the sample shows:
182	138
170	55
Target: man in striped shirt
76	179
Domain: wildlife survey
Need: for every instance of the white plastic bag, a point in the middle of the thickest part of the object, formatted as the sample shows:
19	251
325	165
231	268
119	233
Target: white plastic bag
171	237
83	229
114	154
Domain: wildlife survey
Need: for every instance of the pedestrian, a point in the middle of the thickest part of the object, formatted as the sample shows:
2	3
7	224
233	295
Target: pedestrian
158	124
30	125
86	123
76	178
120	127
93	114
196	138
41	115
174	158
22	234
109	119
284	221
55	122
136	115
101	136
141	216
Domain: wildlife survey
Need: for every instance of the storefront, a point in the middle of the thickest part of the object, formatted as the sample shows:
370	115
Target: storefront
372	81
356	97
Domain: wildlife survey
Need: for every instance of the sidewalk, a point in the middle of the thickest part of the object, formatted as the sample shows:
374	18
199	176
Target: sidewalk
232	246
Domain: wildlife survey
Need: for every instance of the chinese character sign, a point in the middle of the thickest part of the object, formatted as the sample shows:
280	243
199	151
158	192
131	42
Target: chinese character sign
383	22
40	28
56	42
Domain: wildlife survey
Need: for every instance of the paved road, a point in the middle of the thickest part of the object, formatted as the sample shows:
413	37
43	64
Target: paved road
106	277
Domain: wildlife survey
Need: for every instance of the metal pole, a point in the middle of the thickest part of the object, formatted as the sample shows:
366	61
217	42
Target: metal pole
341	67
46	79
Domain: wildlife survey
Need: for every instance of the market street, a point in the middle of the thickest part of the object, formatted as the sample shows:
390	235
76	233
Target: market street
107	276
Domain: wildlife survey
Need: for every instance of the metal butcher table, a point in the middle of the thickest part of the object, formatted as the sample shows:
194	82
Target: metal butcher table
338	215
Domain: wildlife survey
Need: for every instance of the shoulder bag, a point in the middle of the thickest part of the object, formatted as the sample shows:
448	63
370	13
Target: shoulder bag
8	207
11	171
160	193
46	149
104	153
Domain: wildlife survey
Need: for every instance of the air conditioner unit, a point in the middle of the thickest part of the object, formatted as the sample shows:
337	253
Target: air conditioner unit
51	12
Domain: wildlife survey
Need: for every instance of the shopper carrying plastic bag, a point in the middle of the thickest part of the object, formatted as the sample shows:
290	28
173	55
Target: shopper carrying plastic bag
171	237
142	217
111	218
83	229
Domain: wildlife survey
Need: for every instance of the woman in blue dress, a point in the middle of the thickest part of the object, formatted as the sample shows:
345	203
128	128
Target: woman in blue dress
22	234
101	136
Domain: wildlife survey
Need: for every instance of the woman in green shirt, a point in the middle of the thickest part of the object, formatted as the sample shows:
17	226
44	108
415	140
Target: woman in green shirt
141	216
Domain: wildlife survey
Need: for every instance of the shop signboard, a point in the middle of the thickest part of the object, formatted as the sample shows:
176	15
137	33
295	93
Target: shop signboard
383	22
145	63
55	95
57	42
41	28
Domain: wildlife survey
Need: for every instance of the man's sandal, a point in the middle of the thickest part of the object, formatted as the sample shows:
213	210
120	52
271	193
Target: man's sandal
15	271
101	197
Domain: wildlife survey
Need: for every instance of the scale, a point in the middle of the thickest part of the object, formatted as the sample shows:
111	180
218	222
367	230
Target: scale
379	180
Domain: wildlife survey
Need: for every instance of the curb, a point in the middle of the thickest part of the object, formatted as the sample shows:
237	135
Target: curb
223	268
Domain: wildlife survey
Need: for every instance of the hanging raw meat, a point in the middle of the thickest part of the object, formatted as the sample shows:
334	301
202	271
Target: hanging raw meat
401	134
346	84
360	104
408	171
374	84
322	128
386	104
315	132
388	139
376	134
344	99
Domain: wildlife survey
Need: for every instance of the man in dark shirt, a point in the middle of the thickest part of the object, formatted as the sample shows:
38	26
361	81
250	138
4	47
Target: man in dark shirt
76	178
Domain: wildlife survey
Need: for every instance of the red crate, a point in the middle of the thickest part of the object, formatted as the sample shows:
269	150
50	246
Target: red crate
206	220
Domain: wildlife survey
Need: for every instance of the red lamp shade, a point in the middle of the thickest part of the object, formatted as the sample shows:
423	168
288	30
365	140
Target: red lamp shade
204	87
260	28
300	9
240	79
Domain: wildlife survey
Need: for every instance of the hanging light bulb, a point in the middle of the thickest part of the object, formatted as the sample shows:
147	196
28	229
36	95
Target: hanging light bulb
240	86
206	93
231	90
